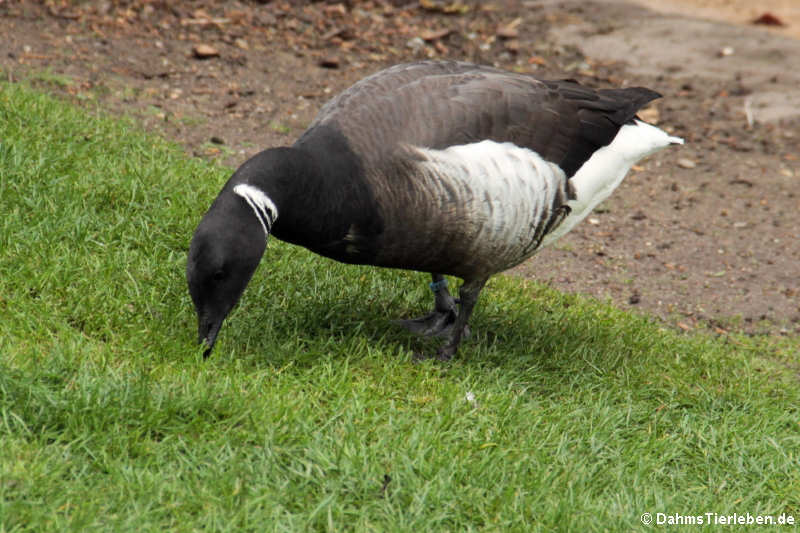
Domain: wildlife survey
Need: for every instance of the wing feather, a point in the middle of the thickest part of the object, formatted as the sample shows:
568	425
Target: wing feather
436	104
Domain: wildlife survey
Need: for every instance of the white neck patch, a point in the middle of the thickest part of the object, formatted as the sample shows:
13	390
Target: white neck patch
262	206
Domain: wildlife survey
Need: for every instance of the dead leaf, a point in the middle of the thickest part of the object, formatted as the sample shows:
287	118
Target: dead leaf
333	33
509	31
452	8
768	19
335	9
432	35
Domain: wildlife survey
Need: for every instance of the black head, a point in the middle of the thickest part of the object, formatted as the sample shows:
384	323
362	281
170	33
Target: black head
225	251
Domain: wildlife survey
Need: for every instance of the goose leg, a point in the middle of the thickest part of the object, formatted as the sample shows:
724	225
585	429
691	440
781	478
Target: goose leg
444	313
468	296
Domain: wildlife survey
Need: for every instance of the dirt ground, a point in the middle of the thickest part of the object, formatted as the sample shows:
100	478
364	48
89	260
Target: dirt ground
787	12
707	234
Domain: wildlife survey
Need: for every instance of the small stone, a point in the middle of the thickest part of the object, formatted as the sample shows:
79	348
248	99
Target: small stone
416	43
204	51
686	163
242	44
593	221
726	51
432	35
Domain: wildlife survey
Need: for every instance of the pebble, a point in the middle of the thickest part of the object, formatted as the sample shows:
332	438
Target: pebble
416	43
204	51
686	163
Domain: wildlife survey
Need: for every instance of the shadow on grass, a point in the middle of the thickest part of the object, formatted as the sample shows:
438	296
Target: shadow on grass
513	327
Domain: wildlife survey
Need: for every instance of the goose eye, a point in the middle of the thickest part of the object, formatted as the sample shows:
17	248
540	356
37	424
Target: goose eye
218	275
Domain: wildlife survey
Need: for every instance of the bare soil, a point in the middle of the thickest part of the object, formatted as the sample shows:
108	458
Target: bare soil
707	234
779	16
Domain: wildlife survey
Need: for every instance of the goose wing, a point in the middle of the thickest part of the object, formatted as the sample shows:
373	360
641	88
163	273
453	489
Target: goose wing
442	104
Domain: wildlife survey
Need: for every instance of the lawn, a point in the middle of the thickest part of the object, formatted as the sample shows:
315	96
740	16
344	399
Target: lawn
561	413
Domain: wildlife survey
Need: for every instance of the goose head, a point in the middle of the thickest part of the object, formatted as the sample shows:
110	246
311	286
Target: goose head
224	253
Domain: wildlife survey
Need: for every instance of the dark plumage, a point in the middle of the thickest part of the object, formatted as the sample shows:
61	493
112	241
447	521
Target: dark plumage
441	167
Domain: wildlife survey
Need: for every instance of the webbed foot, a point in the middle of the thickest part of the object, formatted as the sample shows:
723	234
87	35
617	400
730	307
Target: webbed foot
438	322
458	329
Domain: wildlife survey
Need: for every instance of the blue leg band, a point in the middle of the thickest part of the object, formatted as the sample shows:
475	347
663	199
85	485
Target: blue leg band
436	286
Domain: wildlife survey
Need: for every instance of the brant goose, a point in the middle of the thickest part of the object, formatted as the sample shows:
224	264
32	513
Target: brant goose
437	166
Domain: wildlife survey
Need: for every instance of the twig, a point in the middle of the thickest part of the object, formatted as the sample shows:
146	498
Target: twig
748	111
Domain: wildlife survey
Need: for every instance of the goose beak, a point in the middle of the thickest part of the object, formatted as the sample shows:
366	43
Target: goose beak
207	331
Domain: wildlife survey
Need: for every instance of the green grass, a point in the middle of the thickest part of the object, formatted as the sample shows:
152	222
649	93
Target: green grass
311	415
47	77
280	128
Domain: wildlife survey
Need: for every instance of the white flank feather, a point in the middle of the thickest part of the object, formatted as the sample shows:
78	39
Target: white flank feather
503	194
499	193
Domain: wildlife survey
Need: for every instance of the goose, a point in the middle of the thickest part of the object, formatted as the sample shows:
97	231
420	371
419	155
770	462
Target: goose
442	167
